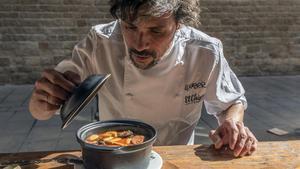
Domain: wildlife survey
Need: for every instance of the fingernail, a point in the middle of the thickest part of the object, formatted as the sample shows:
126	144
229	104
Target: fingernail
218	144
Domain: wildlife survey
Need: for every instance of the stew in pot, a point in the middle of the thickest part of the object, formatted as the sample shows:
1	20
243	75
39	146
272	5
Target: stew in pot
115	138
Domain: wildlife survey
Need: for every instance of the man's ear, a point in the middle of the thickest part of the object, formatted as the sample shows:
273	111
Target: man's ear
178	25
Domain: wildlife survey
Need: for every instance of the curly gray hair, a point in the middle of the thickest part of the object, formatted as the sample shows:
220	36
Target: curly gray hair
185	11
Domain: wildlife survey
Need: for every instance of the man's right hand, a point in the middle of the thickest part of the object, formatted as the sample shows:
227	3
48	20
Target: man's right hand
51	91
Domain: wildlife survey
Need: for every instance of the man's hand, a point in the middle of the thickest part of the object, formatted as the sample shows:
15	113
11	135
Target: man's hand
51	91
233	133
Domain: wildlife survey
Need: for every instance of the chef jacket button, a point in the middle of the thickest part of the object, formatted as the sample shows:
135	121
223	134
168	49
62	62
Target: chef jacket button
129	94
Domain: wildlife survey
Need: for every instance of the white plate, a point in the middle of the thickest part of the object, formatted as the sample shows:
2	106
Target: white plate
156	162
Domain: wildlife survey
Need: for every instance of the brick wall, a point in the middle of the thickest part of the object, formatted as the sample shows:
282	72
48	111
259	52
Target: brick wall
261	37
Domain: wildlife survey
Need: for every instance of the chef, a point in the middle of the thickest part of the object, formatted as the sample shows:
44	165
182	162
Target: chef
162	71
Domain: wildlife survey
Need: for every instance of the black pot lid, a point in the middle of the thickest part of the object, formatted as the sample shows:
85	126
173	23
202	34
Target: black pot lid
82	95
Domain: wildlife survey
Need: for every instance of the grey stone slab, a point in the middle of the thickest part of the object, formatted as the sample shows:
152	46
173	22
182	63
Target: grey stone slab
199	139
277	110
3	109
266	117
6	88
259	128
267	86
38	145
203	125
292	104
263	135
21	115
18	96
3	95
255	85
201	133
67	141
294	99
210	120
291	79
44	133
5	116
283	85
18	108
17	126
202	128
26	101
41	139
55	121
10	143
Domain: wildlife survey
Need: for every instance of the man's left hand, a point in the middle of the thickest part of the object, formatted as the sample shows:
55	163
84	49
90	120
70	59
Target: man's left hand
233	133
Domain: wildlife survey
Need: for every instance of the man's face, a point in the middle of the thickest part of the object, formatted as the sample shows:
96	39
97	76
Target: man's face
148	38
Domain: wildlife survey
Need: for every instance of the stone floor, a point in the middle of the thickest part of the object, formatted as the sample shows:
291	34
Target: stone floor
274	101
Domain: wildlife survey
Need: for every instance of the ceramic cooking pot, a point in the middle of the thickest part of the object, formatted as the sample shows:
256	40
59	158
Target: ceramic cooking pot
127	157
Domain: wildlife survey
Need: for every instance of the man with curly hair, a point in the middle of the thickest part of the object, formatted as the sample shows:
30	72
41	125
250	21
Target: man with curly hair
162	69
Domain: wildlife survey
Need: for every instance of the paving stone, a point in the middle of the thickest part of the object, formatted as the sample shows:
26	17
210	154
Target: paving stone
210	120
6	115
3	109
276	111
39	145
55	121
292	104
200	139
21	115
17	126
23	108
264	116
67	141
201	133
44	133
18	96
254	85
284	84
10	143
3	95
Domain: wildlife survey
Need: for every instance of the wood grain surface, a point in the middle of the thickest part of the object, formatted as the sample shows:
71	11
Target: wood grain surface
270	155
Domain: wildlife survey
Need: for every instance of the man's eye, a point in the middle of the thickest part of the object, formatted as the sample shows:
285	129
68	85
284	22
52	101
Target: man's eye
156	31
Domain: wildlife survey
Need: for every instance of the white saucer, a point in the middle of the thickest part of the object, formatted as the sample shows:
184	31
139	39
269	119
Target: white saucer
156	162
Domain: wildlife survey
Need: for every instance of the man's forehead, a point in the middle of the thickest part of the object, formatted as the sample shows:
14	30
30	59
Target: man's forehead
147	11
142	18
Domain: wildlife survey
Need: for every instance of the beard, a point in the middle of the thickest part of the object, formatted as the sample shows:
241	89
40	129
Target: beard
147	55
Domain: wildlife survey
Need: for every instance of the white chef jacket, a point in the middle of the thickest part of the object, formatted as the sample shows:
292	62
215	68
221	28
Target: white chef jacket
169	95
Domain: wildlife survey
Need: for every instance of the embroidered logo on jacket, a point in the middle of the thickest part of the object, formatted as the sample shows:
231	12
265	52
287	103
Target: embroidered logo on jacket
193	96
195	85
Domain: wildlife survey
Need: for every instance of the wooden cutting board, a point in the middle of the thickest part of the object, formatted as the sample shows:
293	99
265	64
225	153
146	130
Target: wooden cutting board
270	155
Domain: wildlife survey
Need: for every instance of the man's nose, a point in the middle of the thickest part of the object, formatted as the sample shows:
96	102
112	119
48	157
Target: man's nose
142	42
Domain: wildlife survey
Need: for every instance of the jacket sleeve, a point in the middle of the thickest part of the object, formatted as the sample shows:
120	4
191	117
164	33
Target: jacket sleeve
82	57
223	87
